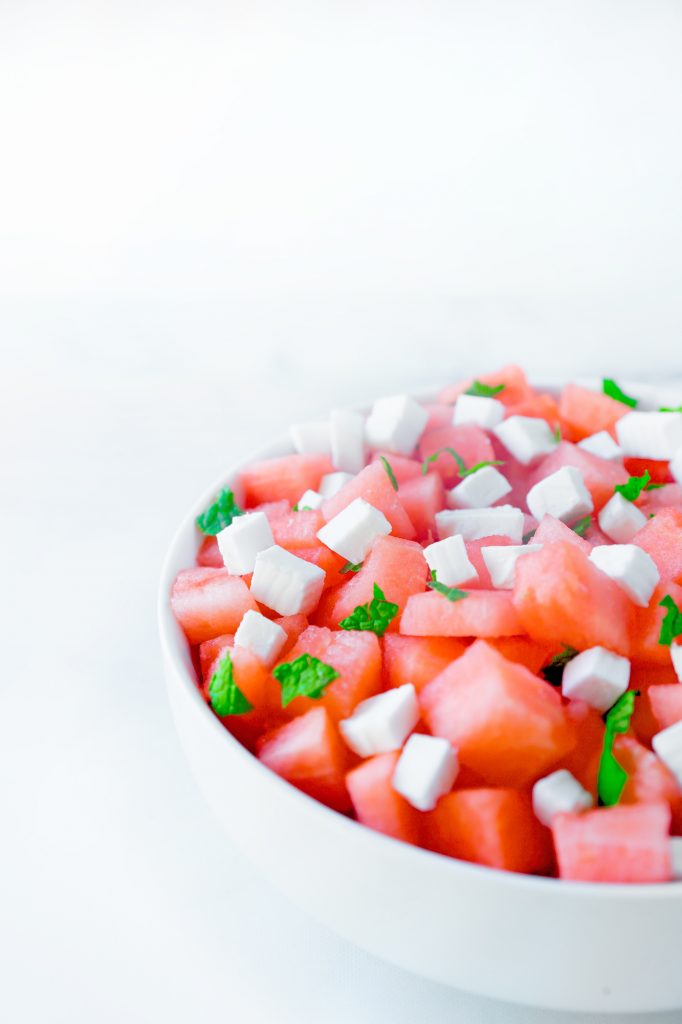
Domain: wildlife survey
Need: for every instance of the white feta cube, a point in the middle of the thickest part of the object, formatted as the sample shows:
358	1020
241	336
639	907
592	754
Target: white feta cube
240	542
347	431
484	412
668	748
425	771
500	561
676	658
602	445
676	856
261	636
676	466
559	793
630	567
527	438
352	532
562	494
650	435
395	424
286	583
449	560
620	520
382	723
596	676
311	438
331	483
309	499
479	490
475	523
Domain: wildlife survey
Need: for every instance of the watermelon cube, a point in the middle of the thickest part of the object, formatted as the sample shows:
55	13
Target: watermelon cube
507	725
666	705
483	582
615	844
377	804
482	613
516	387
495	827
649	781
599	475
404	468
551	530
647	623
209	554
662	539
373	484
422	497
418	659
560	596
296	530
471	443
309	753
524	651
284	478
207	602
584	412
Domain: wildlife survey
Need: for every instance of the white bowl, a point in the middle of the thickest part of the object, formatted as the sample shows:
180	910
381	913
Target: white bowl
538	941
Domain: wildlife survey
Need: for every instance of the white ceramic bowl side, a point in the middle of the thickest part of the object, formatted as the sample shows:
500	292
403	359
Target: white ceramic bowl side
537	941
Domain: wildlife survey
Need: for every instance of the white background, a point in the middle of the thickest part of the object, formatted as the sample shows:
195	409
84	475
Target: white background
214	218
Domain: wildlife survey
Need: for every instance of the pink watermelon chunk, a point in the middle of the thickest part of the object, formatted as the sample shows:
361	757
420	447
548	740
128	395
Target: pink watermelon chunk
551	530
418	659
470	442
662	539
422	497
397	566
584	412
600	476
647	623
207	602
403	467
615	844
295	530
473	547
373	484
666	704
482	613
668	496
377	804
440	415
508	726
516	387
286	478
209	554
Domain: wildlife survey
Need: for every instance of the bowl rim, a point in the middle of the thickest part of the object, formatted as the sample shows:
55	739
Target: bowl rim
173	642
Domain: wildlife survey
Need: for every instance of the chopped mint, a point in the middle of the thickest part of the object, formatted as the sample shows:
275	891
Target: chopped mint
557	433
553	671
671	627
484	390
669	408
375	616
389	470
220	514
582	526
480	465
301	508
528	536
306	676
452	593
610	388
461	465
351	567
634	487
226	697
612	776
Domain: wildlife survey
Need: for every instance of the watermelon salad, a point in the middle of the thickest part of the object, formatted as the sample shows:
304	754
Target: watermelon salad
459	623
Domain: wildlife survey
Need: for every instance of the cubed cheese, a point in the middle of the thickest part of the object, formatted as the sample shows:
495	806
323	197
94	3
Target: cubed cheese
602	445
347	431
352	531
382	723
331	483
240	542
484	412
475	523
630	567
311	438
620	520
559	793
309	499
668	747
650	435
500	561
527	438
395	424
480	489
449	560
425	771
596	676
562	494
261	636
286	583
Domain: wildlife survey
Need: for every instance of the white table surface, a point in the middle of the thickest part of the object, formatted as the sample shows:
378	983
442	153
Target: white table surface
216	219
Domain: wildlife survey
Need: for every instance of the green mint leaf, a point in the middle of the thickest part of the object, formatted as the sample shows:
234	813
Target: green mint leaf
634	487
461	464
452	593
389	470
553	671
375	616
582	526
220	514
612	776
484	390
654	487
610	388
671	627
528	536
480	465
557	433
351	567
225	696
670	408
306	676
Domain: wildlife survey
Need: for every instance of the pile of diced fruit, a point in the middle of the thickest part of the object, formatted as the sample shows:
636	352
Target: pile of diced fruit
459	622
